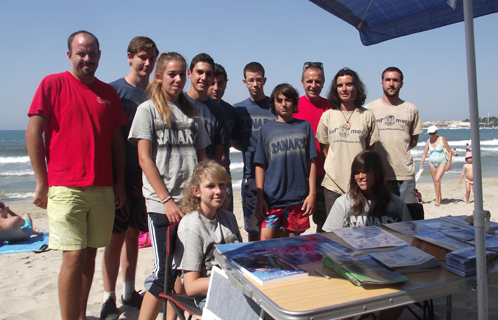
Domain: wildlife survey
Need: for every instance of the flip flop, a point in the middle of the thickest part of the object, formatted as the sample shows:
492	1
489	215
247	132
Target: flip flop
43	248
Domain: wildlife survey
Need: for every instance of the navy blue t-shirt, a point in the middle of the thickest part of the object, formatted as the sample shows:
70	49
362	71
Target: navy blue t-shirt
231	117
252	115
131	98
214	119
285	148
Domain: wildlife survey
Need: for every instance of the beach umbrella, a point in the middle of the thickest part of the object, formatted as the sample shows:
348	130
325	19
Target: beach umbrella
381	20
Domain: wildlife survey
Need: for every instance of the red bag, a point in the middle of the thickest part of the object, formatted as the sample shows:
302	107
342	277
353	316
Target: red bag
144	240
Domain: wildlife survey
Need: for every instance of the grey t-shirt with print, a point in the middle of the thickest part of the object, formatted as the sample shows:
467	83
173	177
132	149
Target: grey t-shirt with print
197	237
174	149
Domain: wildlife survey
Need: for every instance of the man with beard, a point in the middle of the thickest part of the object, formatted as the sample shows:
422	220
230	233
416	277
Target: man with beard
399	126
80	119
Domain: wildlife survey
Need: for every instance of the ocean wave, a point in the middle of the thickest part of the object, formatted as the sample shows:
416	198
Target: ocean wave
14	159
18	195
463	143
236	165
18	173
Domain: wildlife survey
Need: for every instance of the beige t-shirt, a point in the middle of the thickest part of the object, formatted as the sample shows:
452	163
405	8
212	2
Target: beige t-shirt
397	123
344	144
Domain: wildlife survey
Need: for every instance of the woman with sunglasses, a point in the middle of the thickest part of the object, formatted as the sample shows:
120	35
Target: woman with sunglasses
438	161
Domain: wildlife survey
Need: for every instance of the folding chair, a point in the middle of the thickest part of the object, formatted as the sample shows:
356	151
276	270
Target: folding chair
181	303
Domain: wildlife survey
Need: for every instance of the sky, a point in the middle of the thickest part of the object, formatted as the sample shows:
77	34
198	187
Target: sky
280	34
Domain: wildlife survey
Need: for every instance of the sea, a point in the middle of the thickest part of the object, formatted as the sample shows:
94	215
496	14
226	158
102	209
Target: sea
17	180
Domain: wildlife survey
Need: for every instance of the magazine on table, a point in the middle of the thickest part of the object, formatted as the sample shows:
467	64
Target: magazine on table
407	259
268	268
300	250
369	237
409	228
465	222
361	269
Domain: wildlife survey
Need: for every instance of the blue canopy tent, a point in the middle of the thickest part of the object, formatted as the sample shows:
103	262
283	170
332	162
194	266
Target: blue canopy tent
381	20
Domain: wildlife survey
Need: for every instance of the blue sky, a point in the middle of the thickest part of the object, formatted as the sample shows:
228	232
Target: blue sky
280	34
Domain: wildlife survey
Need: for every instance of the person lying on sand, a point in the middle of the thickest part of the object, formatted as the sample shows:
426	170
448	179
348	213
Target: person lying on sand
14	228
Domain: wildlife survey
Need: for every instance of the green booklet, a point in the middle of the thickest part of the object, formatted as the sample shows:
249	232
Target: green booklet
361	269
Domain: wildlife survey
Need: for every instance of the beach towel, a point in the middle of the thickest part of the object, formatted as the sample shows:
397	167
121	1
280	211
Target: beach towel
28	245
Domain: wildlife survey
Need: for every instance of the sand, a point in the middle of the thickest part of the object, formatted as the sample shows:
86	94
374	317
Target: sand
28	289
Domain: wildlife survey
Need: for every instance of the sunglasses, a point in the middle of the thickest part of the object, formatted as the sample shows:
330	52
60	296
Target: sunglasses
312	65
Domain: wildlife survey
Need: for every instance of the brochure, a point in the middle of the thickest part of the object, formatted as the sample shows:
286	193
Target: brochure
361	269
463	262
369	237
268	268
407	259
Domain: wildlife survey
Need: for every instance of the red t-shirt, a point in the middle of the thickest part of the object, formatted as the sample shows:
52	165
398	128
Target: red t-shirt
78	137
312	113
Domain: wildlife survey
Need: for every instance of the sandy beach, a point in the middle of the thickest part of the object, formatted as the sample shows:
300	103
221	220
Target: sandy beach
28	289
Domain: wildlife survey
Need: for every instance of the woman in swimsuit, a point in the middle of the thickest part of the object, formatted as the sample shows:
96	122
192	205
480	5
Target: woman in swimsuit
438	163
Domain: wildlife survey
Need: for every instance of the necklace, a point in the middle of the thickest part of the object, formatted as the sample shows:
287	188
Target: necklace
347	125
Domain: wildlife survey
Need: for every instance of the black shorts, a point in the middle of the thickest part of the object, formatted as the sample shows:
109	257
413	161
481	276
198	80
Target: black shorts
321	213
132	213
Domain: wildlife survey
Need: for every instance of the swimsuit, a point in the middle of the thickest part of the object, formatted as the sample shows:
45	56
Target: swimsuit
467	180
27	227
437	157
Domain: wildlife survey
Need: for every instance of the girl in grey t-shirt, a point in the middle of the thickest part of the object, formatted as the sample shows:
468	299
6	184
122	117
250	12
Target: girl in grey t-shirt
170	138
369	201
204	226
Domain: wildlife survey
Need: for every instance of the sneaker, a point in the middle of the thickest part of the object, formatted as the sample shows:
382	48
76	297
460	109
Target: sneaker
135	300
109	310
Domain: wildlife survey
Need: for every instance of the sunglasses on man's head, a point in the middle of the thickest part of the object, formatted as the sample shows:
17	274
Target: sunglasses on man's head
312	65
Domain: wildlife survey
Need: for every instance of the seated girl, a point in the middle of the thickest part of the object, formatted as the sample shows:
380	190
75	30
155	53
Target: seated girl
204	226
368	201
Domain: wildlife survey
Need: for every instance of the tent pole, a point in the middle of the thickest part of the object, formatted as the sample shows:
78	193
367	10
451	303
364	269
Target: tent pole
479	213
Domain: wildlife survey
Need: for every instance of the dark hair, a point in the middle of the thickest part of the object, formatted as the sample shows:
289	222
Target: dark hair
393	69
74	34
288	91
201	57
140	43
254	67
369	160
359	94
219	70
2	205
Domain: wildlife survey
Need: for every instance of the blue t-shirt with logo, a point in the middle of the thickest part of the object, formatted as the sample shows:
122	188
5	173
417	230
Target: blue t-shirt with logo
285	148
252	115
214	118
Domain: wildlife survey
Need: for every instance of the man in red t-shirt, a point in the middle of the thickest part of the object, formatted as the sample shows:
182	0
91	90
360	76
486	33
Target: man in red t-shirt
311	108
80	117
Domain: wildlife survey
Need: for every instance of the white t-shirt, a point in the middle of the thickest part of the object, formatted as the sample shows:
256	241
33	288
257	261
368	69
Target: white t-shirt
396	123
344	144
341	215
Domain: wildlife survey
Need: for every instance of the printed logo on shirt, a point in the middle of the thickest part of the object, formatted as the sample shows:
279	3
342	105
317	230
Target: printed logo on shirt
253	123
344	133
391	120
180	136
103	101
360	221
291	144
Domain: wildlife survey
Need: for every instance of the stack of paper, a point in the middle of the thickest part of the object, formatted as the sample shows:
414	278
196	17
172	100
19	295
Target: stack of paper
407	259
361	269
463	262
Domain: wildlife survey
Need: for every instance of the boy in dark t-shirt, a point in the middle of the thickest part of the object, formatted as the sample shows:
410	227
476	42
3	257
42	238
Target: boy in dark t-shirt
285	168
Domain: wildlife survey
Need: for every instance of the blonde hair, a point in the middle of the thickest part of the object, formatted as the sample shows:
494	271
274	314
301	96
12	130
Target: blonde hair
154	90
206	169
